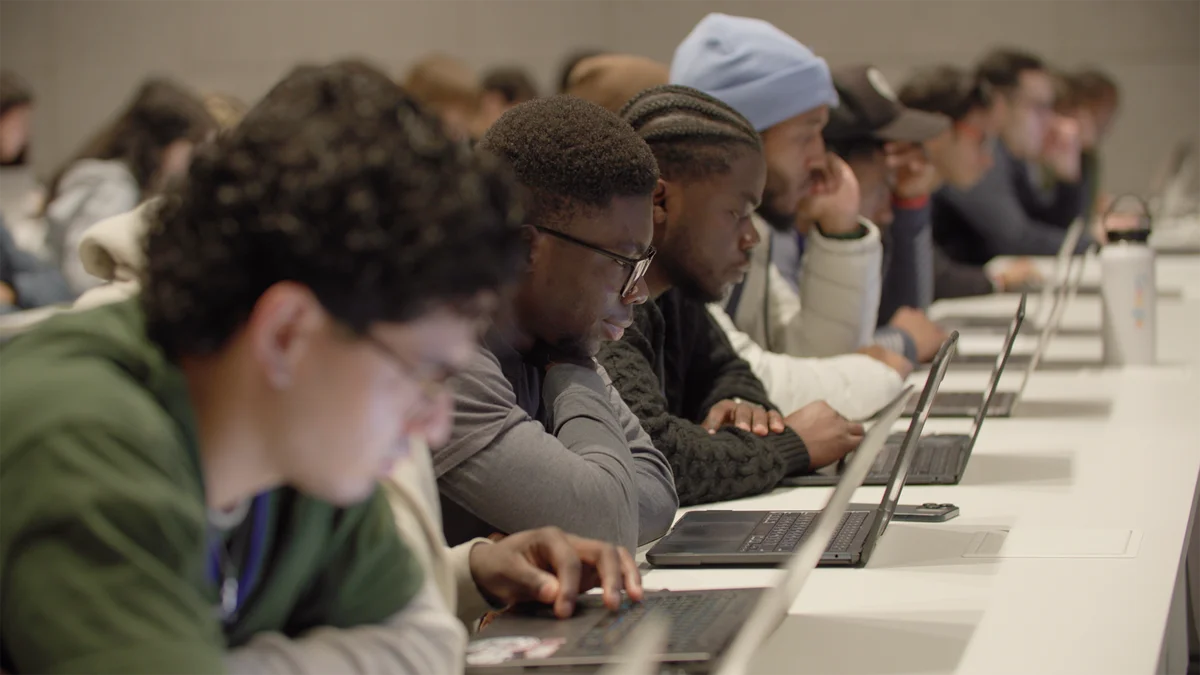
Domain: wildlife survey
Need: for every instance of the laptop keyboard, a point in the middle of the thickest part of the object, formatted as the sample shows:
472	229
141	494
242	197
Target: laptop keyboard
936	455
690	615
782	532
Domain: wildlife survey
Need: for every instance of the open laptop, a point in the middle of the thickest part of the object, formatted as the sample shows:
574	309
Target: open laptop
932	462
713	537
969	403
1050	328
712	631
1051	291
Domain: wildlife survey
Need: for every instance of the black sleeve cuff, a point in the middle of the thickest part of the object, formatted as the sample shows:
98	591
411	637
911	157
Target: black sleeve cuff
791	448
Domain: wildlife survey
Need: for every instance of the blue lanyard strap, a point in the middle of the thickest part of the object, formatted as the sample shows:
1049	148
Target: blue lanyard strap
259	514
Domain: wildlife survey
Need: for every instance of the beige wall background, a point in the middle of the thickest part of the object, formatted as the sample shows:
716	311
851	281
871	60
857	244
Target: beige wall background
84	57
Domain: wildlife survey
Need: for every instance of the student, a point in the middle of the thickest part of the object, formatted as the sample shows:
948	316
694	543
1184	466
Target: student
881	140
700	403
539	436
989	219
609	80
500	90
132	158
449	88
747	63
188	478
960	157
567	67
26	282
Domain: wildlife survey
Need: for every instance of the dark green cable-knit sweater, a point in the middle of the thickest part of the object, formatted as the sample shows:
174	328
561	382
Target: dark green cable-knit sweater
671	367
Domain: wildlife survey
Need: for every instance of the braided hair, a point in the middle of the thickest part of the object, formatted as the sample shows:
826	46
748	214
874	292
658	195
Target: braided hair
692	134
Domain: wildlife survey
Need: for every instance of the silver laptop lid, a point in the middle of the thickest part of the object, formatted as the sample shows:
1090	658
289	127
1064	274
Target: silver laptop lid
908	447
773	603
998	369
1054	287
1070	290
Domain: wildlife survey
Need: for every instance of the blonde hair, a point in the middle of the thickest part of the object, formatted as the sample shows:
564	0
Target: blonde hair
440	80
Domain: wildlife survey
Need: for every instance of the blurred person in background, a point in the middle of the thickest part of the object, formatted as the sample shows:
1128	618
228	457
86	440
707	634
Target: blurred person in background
130	159
572	59
609	80
450	89
960	156
990	219
21	195
501	89
25	281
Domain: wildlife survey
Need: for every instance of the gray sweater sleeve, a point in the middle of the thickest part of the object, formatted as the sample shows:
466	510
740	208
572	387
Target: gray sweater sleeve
994	212
581	475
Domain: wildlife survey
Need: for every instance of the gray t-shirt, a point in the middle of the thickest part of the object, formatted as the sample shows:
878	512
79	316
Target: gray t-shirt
532	448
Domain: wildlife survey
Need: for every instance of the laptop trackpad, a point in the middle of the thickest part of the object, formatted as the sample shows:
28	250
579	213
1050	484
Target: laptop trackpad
710	531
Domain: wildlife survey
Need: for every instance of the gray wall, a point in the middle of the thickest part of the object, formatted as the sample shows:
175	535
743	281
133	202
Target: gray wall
84	56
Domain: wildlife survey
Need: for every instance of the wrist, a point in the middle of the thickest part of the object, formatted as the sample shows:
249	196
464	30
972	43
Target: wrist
855	230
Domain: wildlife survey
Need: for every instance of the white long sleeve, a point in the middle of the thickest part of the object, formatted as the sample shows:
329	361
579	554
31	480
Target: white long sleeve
422	638
855	385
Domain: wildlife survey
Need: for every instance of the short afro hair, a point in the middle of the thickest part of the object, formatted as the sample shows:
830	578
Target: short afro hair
693	135
946	89
571	156
338	181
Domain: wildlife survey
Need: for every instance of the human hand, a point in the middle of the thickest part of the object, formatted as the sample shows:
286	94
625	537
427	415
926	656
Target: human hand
552	567
1018	274
827	435
744	415
895	361
927	335
833	201
7	295
915	176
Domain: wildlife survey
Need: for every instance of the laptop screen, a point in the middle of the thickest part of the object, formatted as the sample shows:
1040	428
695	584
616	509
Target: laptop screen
908	448
998	369
774	602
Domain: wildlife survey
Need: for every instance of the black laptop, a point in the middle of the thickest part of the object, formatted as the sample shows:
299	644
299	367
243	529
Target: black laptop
936	460
713	537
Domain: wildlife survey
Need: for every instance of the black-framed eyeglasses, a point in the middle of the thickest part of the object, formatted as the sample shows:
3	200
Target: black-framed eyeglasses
431	386
637	266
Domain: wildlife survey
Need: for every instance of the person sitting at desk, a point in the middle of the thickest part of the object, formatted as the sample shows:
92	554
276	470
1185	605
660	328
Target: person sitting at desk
540	437
960	156
189	477
989	219
702	404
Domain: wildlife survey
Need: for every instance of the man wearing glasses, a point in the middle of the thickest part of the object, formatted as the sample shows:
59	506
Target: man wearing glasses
540	437
960	157
975	225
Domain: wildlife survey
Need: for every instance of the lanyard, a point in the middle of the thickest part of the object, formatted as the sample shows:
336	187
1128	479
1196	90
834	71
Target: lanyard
223	569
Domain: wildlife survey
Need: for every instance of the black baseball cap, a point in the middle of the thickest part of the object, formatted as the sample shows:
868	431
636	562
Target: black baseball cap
870	109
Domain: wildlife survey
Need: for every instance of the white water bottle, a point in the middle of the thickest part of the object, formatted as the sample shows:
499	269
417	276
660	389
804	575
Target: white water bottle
1128	294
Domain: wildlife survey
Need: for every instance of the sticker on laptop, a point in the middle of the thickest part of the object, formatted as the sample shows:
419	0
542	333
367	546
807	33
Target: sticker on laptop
497	650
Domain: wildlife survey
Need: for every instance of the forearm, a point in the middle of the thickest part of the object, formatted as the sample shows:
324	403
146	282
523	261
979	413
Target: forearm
909	278
422	638
953	279
839	300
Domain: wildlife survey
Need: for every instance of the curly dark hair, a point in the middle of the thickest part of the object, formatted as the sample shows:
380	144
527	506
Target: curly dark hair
693	135
336	180
160	113
570	155
14	91
946	89
1001	68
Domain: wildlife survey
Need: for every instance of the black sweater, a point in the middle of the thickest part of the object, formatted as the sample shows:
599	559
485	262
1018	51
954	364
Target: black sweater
672	366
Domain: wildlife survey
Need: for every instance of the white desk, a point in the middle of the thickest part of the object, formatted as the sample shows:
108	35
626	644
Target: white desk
1128	456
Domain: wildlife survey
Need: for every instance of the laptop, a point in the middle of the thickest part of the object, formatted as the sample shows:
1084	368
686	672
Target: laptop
715	537
1050	292
931	464
710	631
1050	328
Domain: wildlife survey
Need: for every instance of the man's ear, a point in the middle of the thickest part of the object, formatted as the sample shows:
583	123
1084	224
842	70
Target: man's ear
659	200
535	244
281	329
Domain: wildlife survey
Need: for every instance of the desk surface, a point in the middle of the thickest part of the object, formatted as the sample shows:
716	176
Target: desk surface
1098	448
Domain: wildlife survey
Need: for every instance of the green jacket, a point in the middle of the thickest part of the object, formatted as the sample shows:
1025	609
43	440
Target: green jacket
104	558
